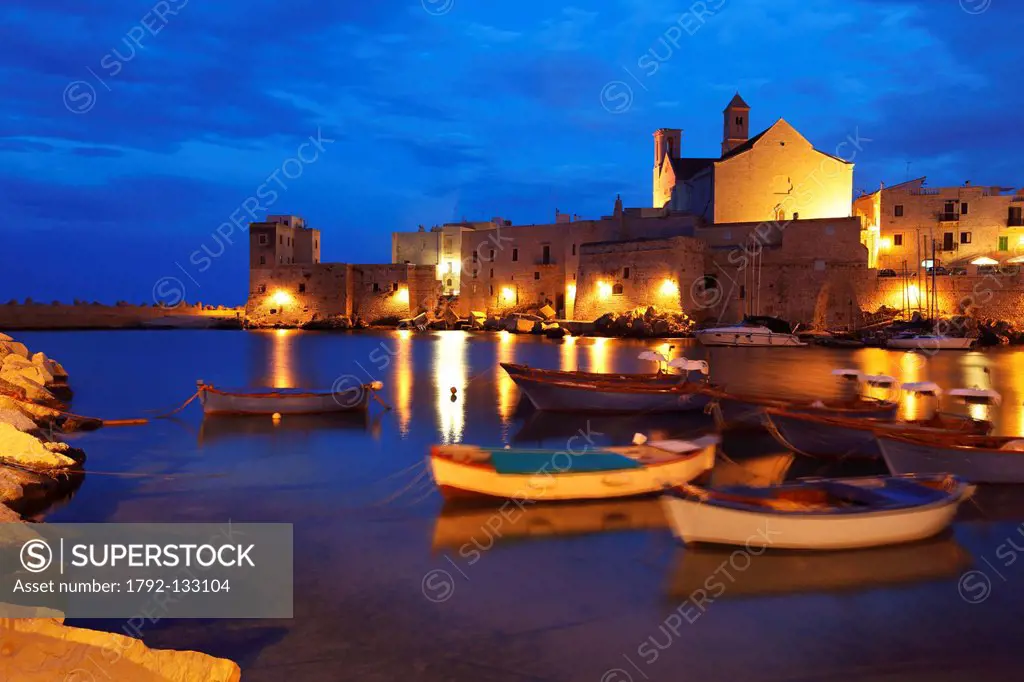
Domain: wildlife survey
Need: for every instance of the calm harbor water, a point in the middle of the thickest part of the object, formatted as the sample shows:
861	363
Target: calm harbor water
389	584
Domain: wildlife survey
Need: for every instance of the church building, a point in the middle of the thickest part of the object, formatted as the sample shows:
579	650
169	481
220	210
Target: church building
775	175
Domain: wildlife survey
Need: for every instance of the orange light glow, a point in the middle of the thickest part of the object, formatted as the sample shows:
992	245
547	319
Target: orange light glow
885	243
604	289
281	298
508	294
402	295
669	288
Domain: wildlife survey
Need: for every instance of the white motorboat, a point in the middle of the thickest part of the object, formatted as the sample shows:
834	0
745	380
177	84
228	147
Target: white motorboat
753	331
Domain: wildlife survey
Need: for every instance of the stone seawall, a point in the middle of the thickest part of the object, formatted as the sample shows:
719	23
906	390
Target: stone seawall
994	296
38	316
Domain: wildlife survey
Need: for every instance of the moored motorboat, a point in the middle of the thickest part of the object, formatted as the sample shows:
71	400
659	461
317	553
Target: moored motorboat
753	331
555	475
818	514
979	459
284	400
611	397
828	436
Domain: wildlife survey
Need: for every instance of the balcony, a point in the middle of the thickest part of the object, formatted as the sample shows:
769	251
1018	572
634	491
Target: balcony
945	217
1015	222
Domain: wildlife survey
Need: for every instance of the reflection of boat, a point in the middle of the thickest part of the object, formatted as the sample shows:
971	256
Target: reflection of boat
653	378
821	514
753	331
540	425
350	398
927	342
774	572
556	475
457	526
838	437
220	427
979	459
614	397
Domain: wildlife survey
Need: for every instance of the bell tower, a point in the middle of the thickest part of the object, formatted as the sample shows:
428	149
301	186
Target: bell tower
667	142
737	124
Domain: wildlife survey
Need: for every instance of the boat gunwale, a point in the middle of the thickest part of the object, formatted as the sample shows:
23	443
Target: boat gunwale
488	466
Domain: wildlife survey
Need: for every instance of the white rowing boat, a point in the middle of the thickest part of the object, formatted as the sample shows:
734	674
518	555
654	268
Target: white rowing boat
353	398
553	475
818	514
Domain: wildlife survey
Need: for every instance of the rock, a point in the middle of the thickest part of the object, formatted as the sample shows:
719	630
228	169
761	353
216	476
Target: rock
34	391
13	347
51	366
37	413
660	327
17	419
28	451
44	649
4	337
605	322
19	365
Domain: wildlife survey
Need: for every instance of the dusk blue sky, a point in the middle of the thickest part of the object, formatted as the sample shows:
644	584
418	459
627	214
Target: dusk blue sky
118	166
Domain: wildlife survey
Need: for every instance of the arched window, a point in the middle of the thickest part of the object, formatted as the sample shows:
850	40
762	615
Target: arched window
617	289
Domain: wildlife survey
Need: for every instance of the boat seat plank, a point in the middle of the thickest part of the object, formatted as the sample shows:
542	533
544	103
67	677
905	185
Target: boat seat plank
533	462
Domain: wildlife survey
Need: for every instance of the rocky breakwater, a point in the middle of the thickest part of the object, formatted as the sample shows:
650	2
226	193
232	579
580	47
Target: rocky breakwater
644	322
34	463
35	467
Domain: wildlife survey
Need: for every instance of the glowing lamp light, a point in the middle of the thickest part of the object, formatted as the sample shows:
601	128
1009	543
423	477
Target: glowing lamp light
402	295
570	291
281	298
669	288
508	294
984	260
913	294
885	243
604	289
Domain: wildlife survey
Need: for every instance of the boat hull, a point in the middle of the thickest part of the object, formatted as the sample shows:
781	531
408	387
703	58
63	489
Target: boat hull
747	412
610	398
695	521
658	379
728	337
836	438
473	480
217	402
931	343
973	464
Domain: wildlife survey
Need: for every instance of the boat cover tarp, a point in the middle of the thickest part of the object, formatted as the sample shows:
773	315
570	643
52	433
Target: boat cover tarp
519	461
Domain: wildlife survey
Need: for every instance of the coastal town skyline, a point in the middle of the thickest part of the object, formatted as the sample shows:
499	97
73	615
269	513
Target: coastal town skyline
108	140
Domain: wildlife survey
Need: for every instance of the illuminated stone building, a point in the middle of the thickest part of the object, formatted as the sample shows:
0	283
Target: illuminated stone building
765	228
970	226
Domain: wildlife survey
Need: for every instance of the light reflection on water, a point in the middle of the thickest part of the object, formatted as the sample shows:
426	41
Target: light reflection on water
359	558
